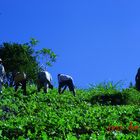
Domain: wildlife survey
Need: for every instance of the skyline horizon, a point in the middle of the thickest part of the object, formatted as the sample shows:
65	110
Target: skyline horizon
96	41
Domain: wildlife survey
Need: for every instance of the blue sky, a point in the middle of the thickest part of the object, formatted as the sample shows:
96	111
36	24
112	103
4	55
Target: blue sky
96	40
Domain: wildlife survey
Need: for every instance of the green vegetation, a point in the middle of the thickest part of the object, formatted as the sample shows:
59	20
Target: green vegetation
26	58
101	112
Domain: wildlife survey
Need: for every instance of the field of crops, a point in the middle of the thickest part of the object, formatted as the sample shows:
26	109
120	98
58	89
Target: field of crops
98	113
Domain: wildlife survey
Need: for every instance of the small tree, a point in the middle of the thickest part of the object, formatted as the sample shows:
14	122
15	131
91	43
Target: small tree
23	57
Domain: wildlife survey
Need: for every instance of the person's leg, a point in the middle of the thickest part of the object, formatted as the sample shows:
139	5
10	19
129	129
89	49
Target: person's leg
59	88
49	84
138	84
61	85
46	87
39	85
24	86
64	88
71	86
16	86
10	82
38	88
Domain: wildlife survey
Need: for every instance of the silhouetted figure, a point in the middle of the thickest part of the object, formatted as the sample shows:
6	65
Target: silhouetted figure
65	81
44	80
20	80
137	80
2	74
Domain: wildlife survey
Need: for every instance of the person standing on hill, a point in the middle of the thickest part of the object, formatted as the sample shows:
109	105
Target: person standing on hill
137	80
65	81
2	74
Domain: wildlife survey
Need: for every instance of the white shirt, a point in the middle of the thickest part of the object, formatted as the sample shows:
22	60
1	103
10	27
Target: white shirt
48	76
64	77
2	72
43	75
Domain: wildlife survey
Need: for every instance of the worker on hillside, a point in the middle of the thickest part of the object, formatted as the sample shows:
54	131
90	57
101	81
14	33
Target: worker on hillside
2	74
65	81
137	80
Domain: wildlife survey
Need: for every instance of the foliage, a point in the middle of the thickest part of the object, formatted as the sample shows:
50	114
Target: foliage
48	54
53	116
24	57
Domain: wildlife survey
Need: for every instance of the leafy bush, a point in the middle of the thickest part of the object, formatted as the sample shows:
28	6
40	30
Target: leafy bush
86	116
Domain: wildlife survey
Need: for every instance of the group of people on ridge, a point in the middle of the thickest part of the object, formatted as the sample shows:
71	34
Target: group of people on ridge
43	80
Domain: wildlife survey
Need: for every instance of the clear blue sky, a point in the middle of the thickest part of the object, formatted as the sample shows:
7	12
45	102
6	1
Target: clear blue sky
96	40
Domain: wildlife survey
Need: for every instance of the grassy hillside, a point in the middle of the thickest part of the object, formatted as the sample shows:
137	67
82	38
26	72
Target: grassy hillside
102	112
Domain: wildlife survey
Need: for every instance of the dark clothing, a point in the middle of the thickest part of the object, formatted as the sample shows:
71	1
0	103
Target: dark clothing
20	79
137	80
65	84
